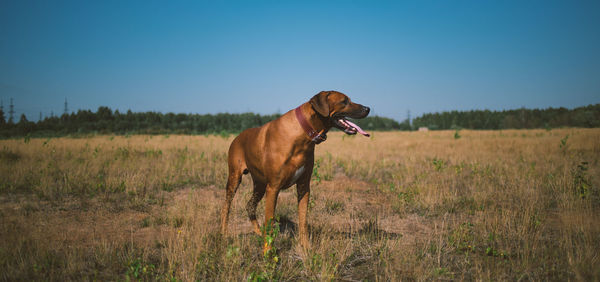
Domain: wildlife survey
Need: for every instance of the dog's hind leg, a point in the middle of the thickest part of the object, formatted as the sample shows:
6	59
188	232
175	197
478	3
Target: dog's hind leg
257	194
233	182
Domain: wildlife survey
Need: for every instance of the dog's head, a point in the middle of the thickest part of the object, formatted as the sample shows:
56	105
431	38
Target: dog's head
336	107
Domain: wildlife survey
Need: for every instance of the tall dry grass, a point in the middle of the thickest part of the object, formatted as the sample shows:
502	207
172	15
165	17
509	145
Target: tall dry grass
490	205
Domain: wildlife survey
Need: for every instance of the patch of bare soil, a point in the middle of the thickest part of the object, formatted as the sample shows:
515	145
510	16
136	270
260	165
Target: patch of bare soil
363	204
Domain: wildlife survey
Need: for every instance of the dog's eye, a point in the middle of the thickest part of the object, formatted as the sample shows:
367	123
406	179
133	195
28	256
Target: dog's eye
345	102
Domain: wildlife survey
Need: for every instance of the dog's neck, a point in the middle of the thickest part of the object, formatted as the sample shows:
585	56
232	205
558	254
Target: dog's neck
315	126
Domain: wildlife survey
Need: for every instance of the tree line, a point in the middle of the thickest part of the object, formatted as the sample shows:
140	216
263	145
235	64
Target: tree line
107	121
587	116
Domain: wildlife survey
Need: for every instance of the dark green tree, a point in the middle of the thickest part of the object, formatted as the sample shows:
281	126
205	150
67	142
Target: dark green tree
2	118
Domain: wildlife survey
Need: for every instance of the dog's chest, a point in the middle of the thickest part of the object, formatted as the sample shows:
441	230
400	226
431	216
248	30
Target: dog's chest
299	171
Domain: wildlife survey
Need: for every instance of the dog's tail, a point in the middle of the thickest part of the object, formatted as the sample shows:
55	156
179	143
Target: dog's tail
237	167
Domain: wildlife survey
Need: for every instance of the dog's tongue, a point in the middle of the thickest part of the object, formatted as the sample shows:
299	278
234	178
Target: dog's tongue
357	128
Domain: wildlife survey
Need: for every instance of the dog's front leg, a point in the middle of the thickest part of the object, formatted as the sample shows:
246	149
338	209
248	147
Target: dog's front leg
303	190
270	203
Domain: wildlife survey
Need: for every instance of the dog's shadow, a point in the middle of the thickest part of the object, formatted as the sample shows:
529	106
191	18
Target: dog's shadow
287	226
369	229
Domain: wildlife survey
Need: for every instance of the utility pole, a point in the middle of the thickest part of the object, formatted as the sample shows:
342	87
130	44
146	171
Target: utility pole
40	117
11	111
66	108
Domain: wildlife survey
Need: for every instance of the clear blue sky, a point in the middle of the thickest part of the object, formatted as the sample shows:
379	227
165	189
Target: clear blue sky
270	56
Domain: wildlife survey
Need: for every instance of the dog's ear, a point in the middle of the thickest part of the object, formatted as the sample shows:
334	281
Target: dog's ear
320	104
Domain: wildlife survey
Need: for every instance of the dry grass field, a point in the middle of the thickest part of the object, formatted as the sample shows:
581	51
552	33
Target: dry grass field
477	205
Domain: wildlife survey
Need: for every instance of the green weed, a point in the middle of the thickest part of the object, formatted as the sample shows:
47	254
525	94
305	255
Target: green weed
271	258
438	164
138	269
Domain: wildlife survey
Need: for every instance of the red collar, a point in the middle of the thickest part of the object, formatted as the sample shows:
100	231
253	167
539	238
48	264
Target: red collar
310	131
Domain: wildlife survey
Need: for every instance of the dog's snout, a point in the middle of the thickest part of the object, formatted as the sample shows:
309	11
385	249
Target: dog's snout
366	110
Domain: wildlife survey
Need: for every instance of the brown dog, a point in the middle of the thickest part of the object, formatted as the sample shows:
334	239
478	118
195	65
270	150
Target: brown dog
280	154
